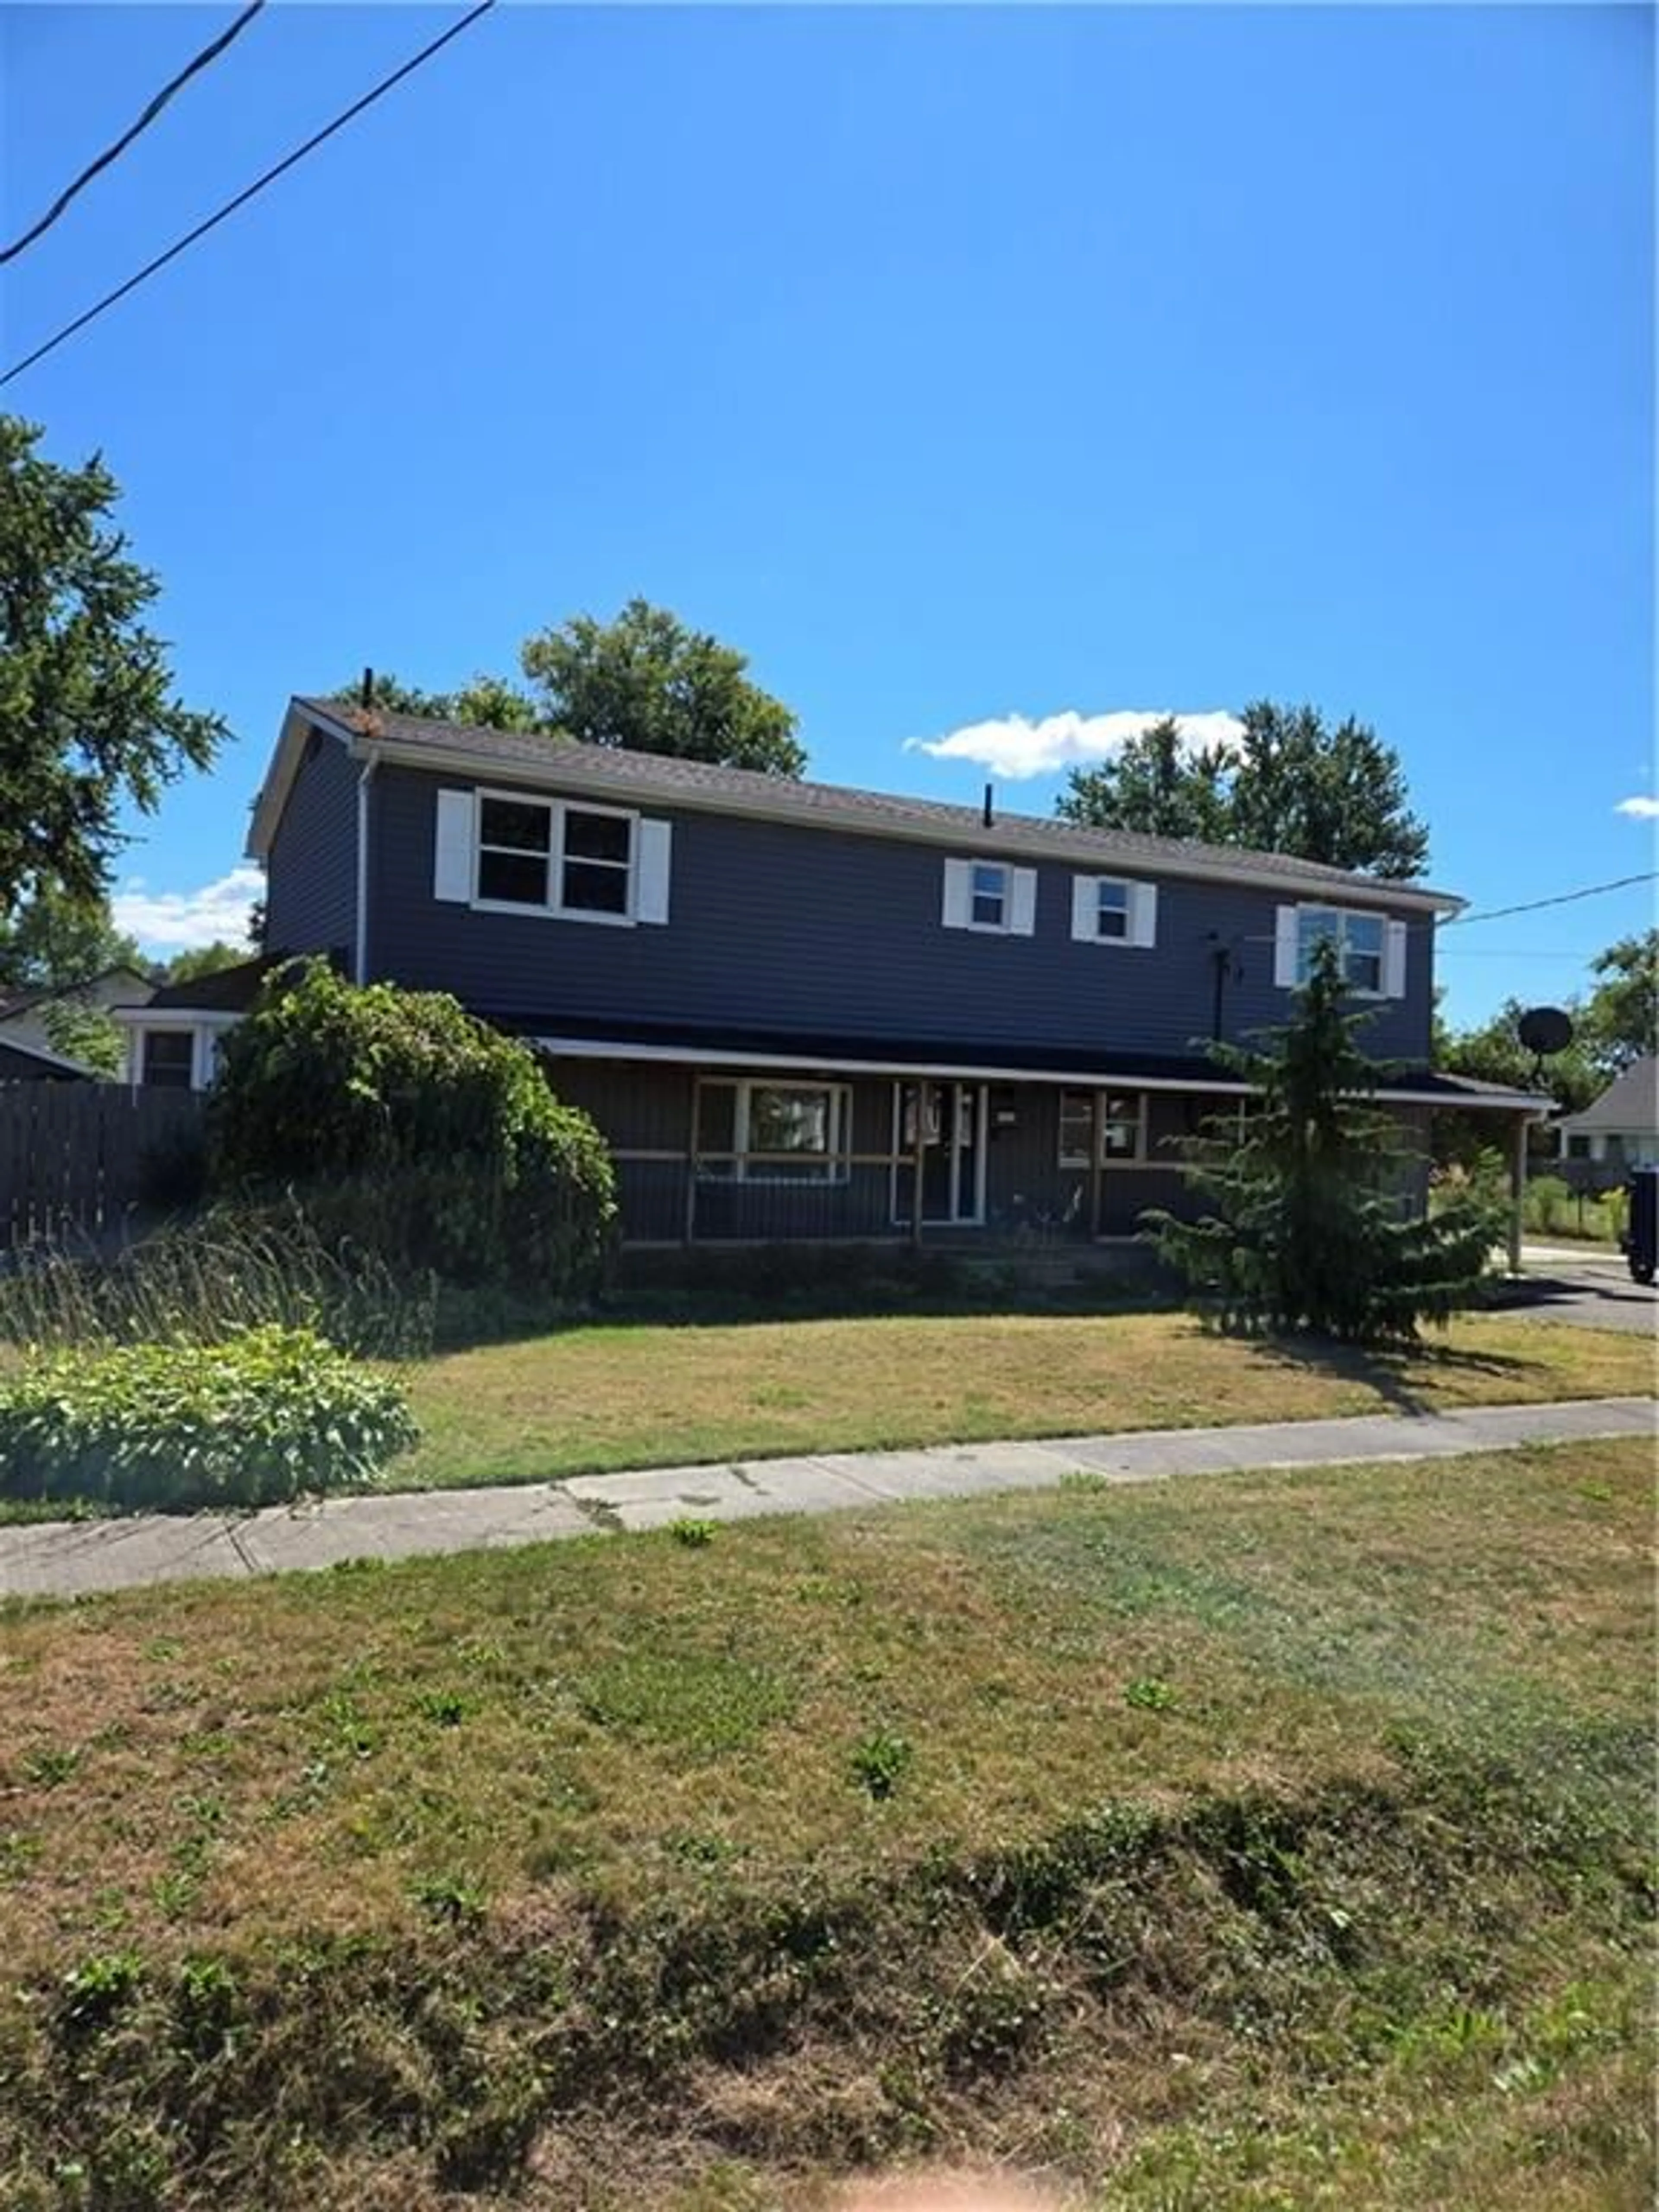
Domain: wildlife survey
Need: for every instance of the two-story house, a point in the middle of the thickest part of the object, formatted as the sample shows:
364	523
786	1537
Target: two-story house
797	1010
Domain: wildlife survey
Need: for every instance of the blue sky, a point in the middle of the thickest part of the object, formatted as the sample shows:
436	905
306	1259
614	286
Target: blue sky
959	366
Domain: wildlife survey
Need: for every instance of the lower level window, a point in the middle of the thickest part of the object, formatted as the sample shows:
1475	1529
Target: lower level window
169	1060
1122	1127
754	1131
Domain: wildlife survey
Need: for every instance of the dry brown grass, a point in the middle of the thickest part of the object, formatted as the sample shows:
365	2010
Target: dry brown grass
639	1717
596	1399
630	1934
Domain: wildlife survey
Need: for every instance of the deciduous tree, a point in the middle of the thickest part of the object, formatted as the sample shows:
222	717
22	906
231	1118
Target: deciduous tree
1621	1020
647	682
89	718
1287	784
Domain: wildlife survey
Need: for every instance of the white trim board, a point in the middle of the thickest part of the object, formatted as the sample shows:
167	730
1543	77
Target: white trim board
973	1071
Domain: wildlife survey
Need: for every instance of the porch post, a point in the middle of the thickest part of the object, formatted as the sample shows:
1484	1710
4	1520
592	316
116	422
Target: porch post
1096	1153
919	1153
691	1161
1517	1190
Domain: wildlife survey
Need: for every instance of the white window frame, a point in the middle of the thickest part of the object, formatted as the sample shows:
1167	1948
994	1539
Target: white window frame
1100	1121
1018	896
557	810
1003	896
1139	911
207	1031
835	1161
1342	917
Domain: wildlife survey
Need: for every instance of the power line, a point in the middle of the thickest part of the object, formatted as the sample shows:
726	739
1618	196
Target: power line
346	116
1563	898
209	54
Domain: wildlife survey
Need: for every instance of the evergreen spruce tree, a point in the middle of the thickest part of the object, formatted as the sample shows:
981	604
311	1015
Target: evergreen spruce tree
1312	1228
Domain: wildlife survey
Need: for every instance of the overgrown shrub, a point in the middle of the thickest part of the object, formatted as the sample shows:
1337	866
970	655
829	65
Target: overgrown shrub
230	1269
268	1416
410	1128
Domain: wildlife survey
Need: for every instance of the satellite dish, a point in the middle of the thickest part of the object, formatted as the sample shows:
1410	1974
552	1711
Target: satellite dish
1545	1029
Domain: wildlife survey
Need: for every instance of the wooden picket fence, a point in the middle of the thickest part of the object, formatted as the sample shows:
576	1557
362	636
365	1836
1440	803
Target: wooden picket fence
78	1157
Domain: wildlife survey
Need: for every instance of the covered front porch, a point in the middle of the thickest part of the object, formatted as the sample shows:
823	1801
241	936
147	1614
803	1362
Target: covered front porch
720	1144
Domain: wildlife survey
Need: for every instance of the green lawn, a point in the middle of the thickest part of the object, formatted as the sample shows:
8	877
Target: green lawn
1267	1841
589	1400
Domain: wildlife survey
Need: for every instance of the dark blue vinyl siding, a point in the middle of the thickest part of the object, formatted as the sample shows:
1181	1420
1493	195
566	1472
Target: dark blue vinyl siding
775	927
310	874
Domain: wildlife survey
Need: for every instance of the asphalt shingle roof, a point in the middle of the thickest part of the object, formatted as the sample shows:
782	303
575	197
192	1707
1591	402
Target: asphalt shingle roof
1631	1102
699	782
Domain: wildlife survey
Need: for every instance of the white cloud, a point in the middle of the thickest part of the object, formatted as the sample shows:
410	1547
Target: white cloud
180	922
1644	810
1016	747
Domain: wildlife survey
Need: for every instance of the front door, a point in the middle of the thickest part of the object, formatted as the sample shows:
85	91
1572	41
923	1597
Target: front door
952	1117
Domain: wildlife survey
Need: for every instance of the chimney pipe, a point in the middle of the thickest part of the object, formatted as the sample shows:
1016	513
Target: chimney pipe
988	817
368	687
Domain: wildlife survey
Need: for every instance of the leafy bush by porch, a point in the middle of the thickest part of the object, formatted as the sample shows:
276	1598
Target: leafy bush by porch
267	1416
1310	1231
412	1129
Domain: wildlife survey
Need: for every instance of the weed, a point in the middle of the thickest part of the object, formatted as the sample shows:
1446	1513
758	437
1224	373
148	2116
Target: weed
1149	1694
93	1993
449	1898
879	1762
696	1535
233	1268
50	1768
443	1708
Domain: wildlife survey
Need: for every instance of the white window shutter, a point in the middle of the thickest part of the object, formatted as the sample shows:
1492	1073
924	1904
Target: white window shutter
1286	945
651	861
1085	908
1143	914
1022	901
1394	960
452	859
958	894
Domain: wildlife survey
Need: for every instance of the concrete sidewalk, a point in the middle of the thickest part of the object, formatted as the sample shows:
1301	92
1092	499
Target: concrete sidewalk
66	1559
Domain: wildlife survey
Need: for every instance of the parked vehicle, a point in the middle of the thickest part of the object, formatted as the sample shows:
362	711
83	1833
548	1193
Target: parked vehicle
1641	1240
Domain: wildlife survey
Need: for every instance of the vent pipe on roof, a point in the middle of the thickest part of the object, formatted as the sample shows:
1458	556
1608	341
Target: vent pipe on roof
989	817
368	687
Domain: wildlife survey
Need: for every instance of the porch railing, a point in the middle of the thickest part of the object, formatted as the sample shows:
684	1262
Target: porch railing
680	1198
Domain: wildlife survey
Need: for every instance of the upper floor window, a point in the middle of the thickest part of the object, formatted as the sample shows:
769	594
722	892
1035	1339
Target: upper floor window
1371	948
990	896
1110	911
988	906
533	853
550	856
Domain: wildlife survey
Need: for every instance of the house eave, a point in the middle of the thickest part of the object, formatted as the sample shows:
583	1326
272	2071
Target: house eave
571	774
959	1069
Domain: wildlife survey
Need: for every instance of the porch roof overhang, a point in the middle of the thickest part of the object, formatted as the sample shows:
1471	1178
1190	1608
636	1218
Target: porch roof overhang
971	1063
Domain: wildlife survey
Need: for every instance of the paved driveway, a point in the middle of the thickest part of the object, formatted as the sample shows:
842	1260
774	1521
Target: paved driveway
1591	1289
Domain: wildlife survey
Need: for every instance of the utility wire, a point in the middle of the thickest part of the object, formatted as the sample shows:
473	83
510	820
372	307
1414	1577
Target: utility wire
1563	898
347	115
208	55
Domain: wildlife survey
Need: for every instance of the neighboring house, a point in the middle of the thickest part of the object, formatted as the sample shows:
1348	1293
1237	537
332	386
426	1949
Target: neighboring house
172	1038
1621	1127
800	1011
29	1063
25	1018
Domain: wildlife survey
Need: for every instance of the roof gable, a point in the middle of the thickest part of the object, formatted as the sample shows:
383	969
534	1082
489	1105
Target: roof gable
1630	1101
